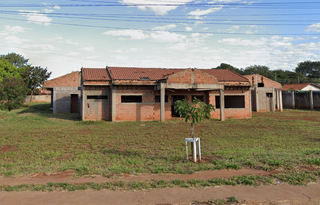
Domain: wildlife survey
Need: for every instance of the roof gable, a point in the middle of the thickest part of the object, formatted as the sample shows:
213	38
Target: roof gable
68	80
298	86
192	76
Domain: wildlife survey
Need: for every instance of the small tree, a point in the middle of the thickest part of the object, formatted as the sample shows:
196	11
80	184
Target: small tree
12	93
34	78
196	112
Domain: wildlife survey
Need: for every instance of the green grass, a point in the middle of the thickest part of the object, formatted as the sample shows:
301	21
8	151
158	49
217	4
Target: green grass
33	140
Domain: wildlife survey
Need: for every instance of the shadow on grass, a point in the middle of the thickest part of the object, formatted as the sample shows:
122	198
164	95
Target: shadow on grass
44	110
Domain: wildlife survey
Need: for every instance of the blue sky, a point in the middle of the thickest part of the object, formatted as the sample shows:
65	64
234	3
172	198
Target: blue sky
67	35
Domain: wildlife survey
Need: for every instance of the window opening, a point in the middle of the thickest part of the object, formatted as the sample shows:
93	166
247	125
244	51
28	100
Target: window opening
131	99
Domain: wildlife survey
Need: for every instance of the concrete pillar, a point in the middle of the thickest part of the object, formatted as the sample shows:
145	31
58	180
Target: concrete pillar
222	113
257	98
162	103
273	104
54	100
84	98
280	101
293	101
311	100
114	103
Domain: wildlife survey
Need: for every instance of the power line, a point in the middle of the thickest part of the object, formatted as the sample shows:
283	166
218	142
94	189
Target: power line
176	31
130	17
273	5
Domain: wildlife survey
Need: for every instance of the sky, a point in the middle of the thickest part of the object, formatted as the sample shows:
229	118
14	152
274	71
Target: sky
64	36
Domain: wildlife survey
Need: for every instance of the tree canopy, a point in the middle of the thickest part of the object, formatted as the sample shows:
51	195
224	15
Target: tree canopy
310	69
15	73
7	69
230	67
12	93
15	59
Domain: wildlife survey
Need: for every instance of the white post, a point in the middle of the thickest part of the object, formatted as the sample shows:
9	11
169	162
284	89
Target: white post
293	101
311	100
199	146
194	151
187	149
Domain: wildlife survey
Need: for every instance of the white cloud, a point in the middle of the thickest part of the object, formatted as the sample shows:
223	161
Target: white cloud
158	36
36	17
198	13
88	48
314	27
131	50
165	36
69	41
154	5
195	35
189	29
133	34
72	54
233	29
15	29
164	28
15	40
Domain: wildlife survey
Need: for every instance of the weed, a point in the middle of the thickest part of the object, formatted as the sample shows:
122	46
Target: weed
232	199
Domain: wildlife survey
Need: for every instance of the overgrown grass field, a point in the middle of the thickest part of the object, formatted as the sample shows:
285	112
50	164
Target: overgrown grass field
34	140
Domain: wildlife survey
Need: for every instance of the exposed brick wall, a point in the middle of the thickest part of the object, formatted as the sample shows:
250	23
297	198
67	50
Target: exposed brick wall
96	109
268	83
181	77
232	112
201	77
135	111
69	80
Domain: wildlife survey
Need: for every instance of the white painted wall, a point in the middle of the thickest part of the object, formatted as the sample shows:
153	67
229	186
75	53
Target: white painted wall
310	87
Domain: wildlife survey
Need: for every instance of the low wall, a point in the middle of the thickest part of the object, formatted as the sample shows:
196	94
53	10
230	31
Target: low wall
38	98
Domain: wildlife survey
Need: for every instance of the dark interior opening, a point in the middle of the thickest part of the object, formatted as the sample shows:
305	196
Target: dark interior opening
231	101
260	84
131	99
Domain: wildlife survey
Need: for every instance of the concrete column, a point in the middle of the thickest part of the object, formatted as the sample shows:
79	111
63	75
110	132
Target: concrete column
280	100
257	99
273	100
54	100
162	103
311	100
114	104
293	101
84	98
222	114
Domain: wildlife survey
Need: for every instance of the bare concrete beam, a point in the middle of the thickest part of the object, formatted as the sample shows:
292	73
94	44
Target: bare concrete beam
222	111
194	86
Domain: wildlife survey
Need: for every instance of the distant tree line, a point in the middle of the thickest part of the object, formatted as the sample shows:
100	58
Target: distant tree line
305	72
17	79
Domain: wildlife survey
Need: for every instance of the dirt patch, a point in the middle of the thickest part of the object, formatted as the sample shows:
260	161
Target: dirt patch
6	148
63	157
67	176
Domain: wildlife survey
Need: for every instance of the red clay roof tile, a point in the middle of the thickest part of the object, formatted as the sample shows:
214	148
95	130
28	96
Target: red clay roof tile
297	86
95	74
154	74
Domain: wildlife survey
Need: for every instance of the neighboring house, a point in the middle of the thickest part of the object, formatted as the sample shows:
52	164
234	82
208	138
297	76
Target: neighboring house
143	94
65	93
306	99
40	95
265	93
301	87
